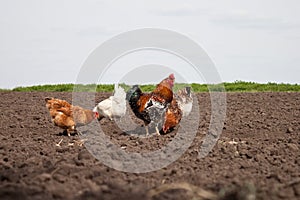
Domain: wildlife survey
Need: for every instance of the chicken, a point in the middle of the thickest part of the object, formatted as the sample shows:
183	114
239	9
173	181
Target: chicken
151	107
67	116
114	106
137	101
172	117
185	100
180	106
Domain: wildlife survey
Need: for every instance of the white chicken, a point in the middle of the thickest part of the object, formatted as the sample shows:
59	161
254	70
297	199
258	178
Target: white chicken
185	100
114	106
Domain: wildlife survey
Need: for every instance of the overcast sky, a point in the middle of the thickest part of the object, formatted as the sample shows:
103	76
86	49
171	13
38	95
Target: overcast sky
48	41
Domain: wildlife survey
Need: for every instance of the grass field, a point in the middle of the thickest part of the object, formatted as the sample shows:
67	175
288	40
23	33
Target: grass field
237	86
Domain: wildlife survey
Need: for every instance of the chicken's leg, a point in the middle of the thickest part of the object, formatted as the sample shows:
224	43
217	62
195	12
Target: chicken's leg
157	131
71	129
67	131
147	130
78	132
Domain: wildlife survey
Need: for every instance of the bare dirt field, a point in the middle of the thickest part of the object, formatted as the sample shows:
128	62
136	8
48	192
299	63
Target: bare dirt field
256	157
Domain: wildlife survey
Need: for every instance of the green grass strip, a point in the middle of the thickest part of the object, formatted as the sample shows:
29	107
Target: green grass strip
237	86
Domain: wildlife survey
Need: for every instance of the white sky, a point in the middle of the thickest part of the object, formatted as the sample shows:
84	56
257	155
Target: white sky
48	41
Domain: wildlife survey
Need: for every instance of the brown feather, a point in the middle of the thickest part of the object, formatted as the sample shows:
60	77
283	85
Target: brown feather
67	116
162	93
142	102
173	116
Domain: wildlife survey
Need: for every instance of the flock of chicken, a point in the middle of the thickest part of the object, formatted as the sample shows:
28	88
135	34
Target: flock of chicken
161	107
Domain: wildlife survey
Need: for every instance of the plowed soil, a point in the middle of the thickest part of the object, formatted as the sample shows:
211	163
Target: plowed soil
256	157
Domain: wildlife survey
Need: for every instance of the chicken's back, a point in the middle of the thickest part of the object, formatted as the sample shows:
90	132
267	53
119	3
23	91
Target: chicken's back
57	105
104	108
163	94
60	112
82	116
52	103
164	89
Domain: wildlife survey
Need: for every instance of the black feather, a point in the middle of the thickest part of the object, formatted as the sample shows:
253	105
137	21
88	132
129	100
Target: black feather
132	96
154	110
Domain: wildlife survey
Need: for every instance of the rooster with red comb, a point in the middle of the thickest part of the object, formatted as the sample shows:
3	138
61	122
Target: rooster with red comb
151	107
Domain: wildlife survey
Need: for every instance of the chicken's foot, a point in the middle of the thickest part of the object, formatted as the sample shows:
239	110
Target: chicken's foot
78	132
58	144
157	131
80	142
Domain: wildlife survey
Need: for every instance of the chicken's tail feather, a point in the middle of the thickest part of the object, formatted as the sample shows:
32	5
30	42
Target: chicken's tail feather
48	98
119	92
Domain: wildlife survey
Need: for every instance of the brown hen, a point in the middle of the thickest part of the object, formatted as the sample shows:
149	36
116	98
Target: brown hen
67	116
180	106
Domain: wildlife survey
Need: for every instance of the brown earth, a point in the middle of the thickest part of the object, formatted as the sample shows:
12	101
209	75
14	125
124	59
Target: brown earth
257	155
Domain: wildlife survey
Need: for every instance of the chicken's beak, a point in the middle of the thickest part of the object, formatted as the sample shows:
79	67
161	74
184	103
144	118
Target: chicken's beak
165	129
96	115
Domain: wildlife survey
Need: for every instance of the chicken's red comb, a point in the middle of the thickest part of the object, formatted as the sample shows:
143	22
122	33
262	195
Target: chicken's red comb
171	76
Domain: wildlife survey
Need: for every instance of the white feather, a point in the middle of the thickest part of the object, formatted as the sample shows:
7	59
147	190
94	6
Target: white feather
114	106
185	101
186	108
